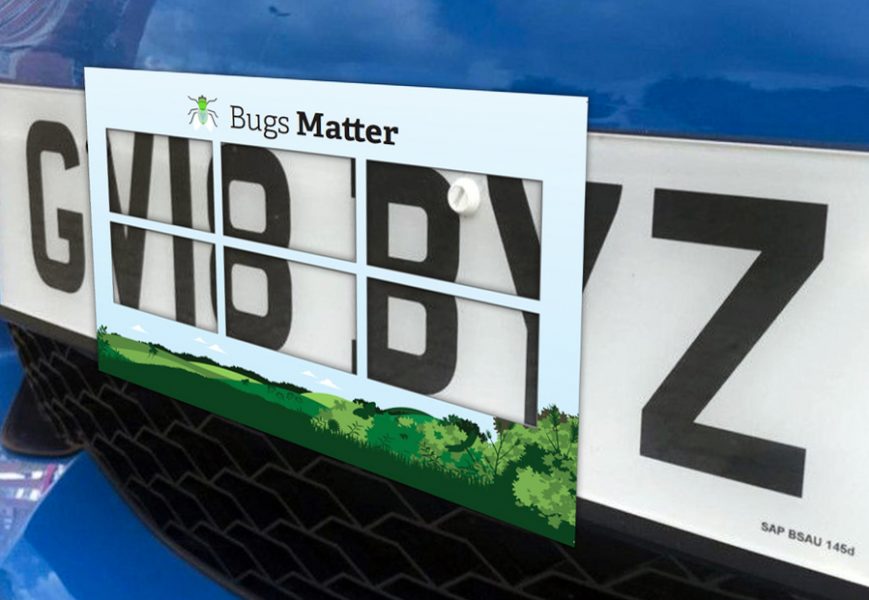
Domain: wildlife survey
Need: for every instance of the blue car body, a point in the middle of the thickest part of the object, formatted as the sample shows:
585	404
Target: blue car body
783	72
67	534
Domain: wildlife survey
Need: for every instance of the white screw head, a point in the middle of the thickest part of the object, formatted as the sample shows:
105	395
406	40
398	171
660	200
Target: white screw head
464	196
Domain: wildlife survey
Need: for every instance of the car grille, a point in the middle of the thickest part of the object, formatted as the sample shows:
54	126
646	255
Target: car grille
272	519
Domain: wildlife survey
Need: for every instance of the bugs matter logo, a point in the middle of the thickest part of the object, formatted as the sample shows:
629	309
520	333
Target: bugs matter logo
202	115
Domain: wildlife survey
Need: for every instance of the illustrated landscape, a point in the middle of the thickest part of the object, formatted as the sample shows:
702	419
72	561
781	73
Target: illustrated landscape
523	475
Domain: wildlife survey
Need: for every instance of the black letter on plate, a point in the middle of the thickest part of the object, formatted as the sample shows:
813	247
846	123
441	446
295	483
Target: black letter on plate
426	188
790	237
522	248
412	186
182	215
270	330
128	243
262	167
50	136
426	373
601	204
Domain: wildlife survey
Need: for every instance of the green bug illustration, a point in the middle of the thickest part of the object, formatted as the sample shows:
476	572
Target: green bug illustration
201	114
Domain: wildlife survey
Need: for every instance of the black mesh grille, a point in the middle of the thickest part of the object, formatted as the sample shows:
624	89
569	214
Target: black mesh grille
276	520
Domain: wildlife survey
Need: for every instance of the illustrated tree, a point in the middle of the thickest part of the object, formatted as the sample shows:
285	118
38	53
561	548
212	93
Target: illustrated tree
507	448
102	340
452	445
395	433
551	489
365	409
152	350
341	419
552	495
470	429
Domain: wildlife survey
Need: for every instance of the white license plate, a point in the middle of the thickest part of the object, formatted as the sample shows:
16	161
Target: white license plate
781	384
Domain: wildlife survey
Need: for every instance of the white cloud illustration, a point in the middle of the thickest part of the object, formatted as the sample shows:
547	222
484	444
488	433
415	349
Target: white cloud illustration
216	348
199	340
138	328
309	374
328	383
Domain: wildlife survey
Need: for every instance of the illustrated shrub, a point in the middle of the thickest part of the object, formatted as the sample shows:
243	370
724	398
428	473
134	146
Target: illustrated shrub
551	495
341	419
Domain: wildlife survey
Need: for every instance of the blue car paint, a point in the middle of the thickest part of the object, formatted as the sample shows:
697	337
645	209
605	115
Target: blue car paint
10	370
784	71
84	540
81	540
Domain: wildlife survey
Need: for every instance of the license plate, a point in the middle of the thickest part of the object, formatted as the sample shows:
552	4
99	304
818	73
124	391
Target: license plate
654	285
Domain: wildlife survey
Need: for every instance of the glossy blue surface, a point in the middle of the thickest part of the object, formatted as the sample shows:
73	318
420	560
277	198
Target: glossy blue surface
71	536
84	542
786	71
10	369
